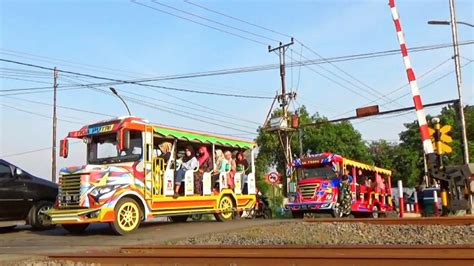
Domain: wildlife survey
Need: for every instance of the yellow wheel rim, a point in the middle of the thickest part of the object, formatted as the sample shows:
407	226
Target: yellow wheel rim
226	208
128	216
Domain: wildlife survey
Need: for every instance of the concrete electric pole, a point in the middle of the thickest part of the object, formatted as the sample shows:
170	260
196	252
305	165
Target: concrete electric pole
281	127
53	155
457	65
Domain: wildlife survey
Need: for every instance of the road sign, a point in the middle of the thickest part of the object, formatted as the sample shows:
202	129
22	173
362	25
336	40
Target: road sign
273	178
440	138
445	148
445	129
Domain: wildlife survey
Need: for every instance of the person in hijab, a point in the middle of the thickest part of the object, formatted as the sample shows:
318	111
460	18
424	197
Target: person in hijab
165	149
222	166
189	162
242	165
205	165
230	175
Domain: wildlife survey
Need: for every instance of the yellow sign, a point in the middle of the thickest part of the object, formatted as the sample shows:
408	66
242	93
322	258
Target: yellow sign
444	148
443	138
445	129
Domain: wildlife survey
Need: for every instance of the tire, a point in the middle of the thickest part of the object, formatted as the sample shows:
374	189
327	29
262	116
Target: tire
225	203
375	212
38	219
267	214
179	218
75	229
297	214
128	216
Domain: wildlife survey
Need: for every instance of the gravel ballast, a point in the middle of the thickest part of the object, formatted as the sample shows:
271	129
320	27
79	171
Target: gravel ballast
301	233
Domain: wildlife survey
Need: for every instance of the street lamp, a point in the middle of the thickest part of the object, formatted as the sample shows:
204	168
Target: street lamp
445	22
116	93
457	65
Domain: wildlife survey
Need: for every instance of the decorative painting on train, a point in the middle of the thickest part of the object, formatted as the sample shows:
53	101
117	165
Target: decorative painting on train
136	171
319	178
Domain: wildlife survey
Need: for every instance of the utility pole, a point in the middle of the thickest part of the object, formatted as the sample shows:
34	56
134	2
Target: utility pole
457	65
53	156
284	132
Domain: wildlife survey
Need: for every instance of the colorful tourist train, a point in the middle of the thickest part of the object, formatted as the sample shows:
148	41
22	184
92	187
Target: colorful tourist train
136	171
318	178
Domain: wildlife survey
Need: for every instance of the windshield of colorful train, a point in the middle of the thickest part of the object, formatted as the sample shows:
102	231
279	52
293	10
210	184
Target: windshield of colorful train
323	172
103	149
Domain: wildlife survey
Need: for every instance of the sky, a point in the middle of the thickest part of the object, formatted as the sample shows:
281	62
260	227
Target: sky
124	40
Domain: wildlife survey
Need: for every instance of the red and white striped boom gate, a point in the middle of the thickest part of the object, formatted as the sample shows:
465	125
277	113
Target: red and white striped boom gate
455	176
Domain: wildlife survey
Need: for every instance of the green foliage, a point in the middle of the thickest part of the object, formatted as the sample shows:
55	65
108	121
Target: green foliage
321	138
405	158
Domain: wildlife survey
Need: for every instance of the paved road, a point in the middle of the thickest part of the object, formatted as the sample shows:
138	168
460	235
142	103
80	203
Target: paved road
100	237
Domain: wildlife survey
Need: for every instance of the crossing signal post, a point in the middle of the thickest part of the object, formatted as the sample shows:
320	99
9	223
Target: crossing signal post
440	138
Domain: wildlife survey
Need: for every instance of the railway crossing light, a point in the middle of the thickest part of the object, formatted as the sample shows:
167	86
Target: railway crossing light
440	138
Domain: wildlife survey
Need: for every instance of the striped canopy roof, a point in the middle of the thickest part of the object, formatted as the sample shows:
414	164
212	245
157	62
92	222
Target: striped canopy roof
204	138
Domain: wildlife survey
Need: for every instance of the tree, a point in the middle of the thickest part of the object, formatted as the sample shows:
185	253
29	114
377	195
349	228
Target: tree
340	138
410	152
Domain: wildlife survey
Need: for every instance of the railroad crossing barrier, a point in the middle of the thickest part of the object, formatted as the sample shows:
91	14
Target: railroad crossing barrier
401	202
417	206
435	203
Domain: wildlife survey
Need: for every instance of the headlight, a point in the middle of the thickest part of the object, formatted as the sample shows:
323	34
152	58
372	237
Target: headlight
103	190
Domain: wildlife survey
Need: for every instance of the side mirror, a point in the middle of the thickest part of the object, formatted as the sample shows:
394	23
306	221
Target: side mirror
18	172
64	148
123	139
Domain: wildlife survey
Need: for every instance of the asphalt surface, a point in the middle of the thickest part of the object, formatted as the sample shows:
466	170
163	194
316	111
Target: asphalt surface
98	237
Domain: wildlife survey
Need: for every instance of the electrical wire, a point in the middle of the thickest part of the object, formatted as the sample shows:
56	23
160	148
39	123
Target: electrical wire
199	23
214	21
401	87
37	114
268	66
137	83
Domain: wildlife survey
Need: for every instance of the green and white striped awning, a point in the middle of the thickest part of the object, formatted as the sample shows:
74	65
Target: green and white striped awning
202	138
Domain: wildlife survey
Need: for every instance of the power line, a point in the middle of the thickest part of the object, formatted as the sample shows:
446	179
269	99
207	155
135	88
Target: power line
434	81
37	114
264	67
32	151
347	74
199	23
302	45
181	113
214	21
204	110
139	83
237	19
70	63
62	107
403	86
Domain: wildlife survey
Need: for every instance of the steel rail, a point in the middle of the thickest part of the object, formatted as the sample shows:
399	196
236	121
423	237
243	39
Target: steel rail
282	255
449	220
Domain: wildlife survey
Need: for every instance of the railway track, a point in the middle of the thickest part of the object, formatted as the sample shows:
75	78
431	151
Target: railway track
449	220
281	255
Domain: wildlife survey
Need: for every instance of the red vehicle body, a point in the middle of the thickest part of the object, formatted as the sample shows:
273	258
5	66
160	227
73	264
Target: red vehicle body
318	178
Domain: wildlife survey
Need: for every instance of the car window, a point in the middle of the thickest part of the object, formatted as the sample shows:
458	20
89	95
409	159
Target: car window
5	171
